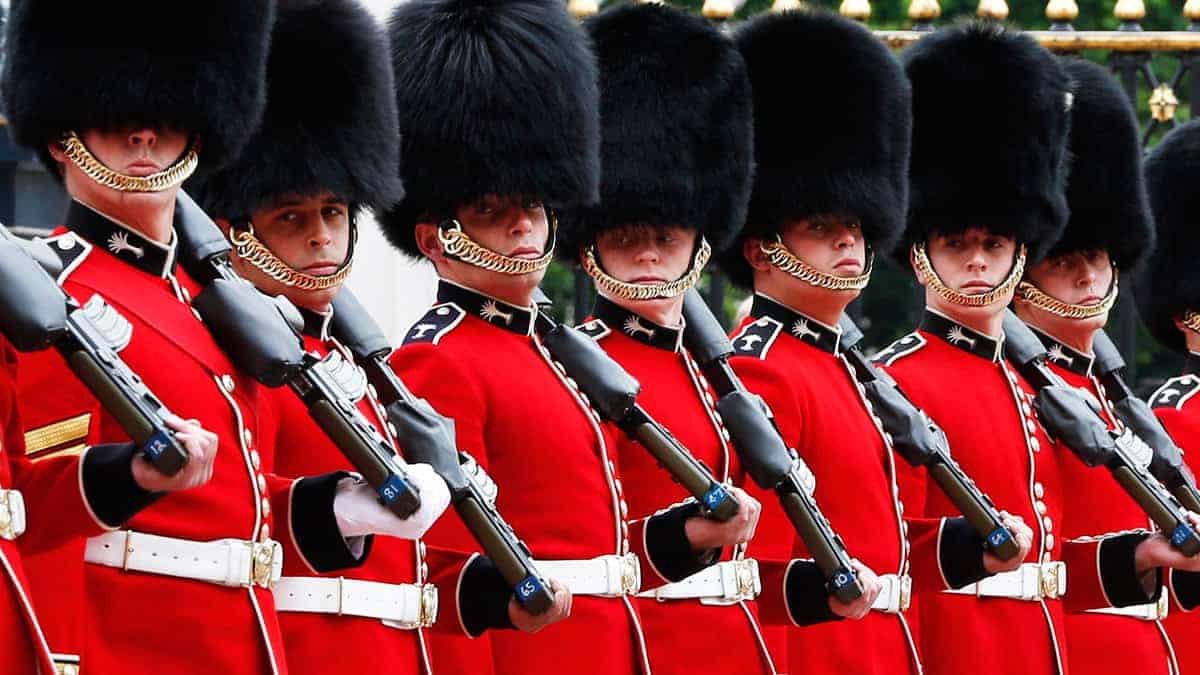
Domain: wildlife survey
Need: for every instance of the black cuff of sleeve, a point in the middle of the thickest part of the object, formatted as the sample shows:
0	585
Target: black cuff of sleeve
960	553
668	547
483	598
315	527
807	594
1187	588
1118	573
108	484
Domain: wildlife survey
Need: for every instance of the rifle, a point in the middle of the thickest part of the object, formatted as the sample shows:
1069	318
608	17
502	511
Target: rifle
1076	421
36	314
762	450
921	442
613	393
1167	464
255	332
357	331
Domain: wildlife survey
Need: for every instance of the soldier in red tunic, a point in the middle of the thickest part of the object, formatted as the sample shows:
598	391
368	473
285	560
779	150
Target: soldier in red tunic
974	219
673	187
1066	298
289	206
183	585
499	120
818	212
1168	296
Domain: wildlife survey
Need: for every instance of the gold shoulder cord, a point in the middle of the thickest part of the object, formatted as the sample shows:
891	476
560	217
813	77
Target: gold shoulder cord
93	168
1040	299
670	289
459	245
780	256
254	252
1192	320
938	286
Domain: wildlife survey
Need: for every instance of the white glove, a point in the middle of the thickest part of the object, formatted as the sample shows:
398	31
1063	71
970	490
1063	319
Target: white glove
359	513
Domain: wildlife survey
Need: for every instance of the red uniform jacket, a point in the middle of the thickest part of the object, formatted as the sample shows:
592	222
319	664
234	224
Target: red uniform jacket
1178	407
477	360
960	378
795	363
679	633
363	643
1098	643
23	647
138	622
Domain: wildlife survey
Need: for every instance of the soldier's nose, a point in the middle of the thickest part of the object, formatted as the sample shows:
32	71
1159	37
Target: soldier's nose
140	137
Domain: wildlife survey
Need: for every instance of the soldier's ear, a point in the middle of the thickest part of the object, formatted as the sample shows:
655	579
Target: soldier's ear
56	152
428	242
752	252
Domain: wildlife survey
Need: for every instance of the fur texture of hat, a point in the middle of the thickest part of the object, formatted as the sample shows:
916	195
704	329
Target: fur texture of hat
73	66
991	117
330	123
1170	282
494	96
676	137
831	137
1106	190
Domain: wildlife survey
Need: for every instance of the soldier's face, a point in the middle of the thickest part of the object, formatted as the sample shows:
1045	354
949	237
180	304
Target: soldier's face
133	151
1079	278
311	235
511	225
832	244
647	254
973	263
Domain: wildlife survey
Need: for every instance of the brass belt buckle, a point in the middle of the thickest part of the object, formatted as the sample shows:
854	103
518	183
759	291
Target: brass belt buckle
7	531
428	612
631	574
749	584
905	592
1162	606
267	562
1050	576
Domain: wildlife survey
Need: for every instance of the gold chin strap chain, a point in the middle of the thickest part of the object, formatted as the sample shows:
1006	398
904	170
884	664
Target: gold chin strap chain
459	245
781	257
1192	320
254	252
996	294
93	168
1040	299
669	289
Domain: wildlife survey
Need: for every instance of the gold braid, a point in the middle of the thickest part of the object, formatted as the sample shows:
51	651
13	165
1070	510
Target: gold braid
629	291
1192	320
459	245
93	168
938	286
779	255
254	252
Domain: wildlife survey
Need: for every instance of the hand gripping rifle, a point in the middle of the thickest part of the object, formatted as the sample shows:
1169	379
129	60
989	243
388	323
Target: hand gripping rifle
1167	465
414	418
921	442
762	450
613	393
1076	422
254	332
35	313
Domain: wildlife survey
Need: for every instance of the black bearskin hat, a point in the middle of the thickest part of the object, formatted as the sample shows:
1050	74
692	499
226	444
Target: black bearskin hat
71	66
831	137
330	122
1170	283
494	96
991	115
676	137
1106	191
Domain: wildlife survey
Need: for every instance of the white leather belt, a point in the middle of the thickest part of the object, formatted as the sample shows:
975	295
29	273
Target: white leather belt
1030	581
1151	611
607	576
228	562
725	583
895	595
12	515
405	606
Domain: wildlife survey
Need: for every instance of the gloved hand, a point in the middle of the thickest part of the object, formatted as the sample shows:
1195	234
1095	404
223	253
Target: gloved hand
359	512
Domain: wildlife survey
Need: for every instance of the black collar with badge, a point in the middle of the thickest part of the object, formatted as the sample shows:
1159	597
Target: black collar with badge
802	327
501	314
957	335
1060	354
128	245
619	319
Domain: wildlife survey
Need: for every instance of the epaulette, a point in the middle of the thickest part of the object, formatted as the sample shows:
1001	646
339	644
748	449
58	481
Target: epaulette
595	329
71	251
900	348
756	337
439	320
1175	392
